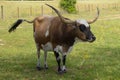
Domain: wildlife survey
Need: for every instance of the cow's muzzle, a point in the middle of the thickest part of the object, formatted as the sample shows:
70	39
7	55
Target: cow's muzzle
93	38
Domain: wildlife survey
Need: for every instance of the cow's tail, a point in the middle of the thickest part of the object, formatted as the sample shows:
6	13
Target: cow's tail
17	23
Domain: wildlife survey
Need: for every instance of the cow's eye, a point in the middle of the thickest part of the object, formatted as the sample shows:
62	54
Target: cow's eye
82	28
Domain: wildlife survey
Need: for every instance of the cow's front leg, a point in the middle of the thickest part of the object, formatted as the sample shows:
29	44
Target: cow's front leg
64	61
58	61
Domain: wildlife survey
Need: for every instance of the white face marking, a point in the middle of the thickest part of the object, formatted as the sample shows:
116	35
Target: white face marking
58	49
47	47
83	21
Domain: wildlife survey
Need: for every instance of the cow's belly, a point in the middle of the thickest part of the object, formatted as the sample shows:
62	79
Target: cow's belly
47	47
58	48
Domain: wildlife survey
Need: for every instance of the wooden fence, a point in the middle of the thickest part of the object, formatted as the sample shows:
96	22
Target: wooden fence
19	12
91	7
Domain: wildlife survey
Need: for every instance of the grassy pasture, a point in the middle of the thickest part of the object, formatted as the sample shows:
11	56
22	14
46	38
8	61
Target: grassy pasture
87	61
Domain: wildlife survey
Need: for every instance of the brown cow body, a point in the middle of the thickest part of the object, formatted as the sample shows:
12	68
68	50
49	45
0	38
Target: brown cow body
53	31
58	34
51	34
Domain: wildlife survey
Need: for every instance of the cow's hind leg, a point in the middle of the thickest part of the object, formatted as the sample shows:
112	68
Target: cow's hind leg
58	61
45	60
38	55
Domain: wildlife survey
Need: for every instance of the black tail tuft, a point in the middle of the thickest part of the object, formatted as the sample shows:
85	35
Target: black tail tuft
15	25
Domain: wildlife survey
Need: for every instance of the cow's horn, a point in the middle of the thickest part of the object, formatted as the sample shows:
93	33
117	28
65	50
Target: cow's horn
91	21
61	17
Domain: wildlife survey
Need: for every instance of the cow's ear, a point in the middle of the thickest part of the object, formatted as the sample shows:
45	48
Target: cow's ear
75	25
72	25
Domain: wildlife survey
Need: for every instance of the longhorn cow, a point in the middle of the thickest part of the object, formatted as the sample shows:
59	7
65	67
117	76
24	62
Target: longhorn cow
58	34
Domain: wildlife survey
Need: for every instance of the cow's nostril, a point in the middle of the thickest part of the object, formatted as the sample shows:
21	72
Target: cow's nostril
94	38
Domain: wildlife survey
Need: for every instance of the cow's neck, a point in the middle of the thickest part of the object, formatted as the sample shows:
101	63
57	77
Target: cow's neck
69	38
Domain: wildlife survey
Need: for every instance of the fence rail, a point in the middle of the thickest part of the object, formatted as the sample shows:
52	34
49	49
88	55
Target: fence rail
19	11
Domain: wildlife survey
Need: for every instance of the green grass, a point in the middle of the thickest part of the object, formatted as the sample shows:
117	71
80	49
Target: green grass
101	59
87	61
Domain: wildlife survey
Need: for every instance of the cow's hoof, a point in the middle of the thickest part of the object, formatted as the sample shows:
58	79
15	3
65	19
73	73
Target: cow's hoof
45	67
60	72
64	71
38	68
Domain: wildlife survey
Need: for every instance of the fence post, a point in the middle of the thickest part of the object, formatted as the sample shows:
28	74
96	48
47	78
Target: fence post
89	7
116	5
42	10
2	14
31	11
92	7
18	12
78	8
